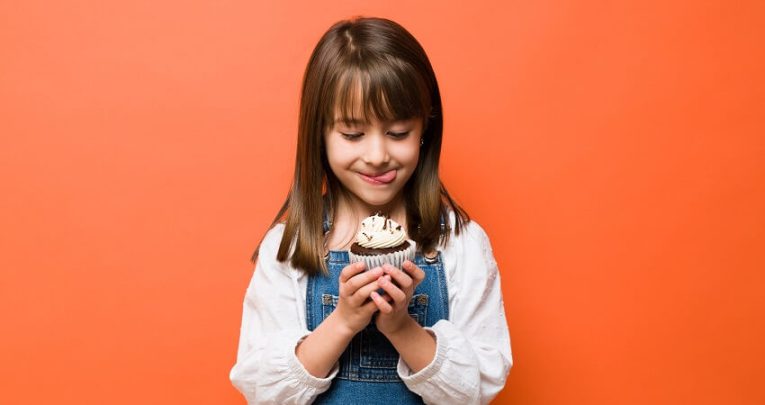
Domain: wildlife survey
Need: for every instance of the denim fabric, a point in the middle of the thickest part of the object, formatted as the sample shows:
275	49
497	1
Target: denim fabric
368	365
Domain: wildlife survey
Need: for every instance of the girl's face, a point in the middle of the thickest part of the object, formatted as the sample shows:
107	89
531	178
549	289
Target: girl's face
373	160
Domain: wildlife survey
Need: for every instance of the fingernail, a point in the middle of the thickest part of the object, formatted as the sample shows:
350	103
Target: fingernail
382	281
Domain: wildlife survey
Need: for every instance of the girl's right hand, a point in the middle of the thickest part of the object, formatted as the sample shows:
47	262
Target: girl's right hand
354	306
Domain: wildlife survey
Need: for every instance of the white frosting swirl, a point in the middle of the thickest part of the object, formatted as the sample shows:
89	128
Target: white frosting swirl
378	231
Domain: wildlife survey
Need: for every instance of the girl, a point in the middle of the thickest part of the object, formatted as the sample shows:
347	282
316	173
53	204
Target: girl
318	329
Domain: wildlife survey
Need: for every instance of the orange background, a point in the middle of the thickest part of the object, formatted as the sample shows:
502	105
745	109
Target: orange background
612	150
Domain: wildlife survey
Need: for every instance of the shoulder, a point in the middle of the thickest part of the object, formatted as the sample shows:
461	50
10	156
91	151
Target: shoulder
468	254
272	239
271	279
470	235
268	249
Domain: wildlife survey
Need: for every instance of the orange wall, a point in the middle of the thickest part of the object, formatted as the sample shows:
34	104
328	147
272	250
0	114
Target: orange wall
612	150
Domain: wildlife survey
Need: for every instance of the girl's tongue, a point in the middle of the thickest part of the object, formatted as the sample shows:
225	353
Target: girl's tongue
386	177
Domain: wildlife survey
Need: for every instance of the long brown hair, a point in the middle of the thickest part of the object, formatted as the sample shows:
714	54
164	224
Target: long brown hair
383	63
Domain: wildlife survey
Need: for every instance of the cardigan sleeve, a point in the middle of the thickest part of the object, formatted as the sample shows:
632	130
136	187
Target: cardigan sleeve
473	355
267	371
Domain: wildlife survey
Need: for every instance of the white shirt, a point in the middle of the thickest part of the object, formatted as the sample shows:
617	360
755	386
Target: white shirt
473	356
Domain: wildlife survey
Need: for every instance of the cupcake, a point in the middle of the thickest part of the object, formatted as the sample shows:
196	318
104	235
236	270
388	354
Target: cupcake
381	240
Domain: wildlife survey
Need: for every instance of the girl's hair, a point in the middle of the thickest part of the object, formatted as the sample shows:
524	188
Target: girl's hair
374	63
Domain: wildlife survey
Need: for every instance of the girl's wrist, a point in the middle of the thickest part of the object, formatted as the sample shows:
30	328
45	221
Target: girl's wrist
338	325
407	329
415	344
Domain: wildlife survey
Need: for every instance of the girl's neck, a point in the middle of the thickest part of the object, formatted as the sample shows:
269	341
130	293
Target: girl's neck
351	207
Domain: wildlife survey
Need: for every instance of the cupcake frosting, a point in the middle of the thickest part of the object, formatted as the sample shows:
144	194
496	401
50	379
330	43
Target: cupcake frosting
379	231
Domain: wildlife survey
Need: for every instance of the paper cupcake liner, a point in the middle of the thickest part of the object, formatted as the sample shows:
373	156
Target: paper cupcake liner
395	259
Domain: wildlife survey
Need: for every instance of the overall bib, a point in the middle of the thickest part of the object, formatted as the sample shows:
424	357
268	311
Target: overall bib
367	372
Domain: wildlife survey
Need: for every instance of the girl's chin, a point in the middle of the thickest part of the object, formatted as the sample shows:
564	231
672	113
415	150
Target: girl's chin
379	204
376	203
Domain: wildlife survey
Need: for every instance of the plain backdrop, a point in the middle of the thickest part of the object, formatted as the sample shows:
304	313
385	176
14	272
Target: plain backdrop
613	151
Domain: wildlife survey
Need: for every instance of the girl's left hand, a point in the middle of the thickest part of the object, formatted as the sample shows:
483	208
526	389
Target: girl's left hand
394	305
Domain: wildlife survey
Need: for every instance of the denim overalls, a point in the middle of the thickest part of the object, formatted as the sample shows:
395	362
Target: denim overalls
368	365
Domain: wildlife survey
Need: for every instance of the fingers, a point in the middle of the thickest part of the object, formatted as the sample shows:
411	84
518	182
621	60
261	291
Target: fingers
352	286
401	278
381	303
370	307
399	297
358	286
363	293
351	270
360	280
415	272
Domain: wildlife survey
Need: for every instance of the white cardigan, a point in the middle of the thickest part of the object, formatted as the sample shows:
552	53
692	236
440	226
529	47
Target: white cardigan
473	356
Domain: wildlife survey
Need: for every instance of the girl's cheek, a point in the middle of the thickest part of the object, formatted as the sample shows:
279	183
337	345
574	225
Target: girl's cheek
408	151
339	150
346	154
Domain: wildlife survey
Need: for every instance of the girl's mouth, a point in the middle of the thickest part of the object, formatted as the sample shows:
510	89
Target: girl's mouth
379	178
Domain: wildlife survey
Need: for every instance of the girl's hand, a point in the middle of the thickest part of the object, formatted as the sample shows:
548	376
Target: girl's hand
354	308
393	306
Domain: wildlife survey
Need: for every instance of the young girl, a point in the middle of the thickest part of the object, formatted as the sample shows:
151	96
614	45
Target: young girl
318	329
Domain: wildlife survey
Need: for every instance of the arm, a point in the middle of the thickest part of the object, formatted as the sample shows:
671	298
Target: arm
472	355
267	371
415	345
322	348
279	360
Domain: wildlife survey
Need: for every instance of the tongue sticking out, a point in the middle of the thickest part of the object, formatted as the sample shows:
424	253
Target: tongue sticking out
386	177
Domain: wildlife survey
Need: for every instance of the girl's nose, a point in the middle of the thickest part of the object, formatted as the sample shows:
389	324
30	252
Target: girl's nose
375	152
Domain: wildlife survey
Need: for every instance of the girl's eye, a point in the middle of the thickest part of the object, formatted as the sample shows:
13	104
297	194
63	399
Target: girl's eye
351	136
398	135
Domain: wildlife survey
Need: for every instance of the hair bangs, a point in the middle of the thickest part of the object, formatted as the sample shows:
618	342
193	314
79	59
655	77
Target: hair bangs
384	91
